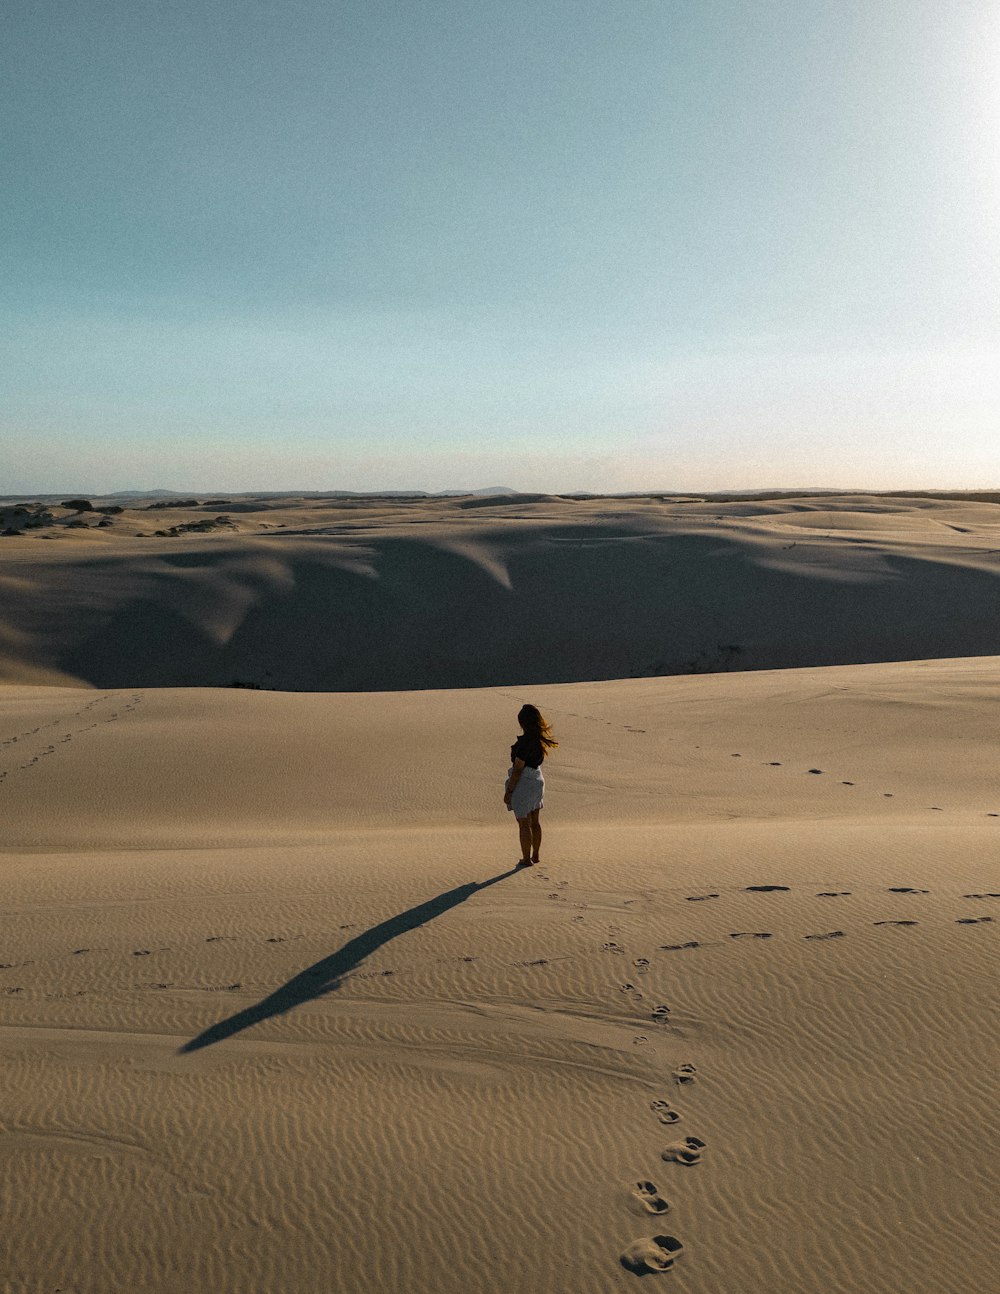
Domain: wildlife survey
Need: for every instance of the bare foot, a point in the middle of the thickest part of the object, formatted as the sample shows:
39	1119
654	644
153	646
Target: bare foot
524	862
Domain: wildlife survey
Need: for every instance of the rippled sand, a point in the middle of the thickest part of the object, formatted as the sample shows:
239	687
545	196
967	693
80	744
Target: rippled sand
278	1013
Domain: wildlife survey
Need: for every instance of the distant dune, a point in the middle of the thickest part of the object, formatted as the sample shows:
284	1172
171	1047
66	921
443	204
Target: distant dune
381	594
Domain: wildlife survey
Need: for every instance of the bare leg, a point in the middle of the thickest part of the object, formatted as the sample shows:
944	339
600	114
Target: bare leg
524	830
536	835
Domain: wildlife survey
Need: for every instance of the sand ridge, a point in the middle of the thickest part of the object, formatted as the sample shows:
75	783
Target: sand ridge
370	595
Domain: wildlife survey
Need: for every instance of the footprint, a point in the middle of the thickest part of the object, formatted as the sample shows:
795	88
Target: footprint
274	939
649	1197
833	894
847	784
831	934
972	921
665	1112
652	1254
698	898
736	757
612	947
906	889
685	1073
775	763
687	1152
766	889
989	895
660	1014
141	952
676	948
896	923
639	1040
630	988
815	770
78	951
641	964
750	934
887	795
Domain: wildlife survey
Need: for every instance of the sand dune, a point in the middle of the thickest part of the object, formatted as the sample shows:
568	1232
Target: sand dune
278	1014
376	595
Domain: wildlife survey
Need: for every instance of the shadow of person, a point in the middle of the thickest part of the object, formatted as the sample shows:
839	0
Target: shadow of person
327	975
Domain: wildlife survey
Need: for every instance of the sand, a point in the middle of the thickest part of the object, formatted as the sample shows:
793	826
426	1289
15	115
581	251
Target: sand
370	595
279	1014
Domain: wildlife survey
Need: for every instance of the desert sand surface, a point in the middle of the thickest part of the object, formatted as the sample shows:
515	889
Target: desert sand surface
378	594
278	1013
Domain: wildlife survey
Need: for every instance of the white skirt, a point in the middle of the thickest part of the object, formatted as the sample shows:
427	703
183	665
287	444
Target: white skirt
528	792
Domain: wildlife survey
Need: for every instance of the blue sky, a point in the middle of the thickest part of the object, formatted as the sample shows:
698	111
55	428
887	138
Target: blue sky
558	244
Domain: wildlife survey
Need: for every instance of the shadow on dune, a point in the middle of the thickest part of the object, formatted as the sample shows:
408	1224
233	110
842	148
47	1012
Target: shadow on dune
327	975
385	612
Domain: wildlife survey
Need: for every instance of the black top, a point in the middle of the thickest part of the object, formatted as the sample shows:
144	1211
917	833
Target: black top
529	749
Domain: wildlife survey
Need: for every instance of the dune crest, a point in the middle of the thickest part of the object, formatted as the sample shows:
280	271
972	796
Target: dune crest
383	595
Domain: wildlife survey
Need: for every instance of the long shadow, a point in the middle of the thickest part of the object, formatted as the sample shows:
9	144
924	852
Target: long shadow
327	975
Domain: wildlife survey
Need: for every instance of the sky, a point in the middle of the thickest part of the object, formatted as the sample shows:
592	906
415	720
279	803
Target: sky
549	244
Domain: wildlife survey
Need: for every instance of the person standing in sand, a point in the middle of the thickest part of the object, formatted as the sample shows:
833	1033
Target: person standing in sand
525	785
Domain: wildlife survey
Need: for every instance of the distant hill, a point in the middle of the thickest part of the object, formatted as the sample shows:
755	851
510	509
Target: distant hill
146	494
309	494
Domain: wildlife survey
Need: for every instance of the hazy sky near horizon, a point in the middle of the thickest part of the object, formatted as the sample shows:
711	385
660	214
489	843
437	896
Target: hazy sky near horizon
550	244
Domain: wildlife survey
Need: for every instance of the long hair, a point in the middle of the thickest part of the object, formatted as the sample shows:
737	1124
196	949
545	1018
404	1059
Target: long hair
534	724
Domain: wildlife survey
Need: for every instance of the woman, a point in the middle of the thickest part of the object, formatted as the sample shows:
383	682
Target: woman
525	784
